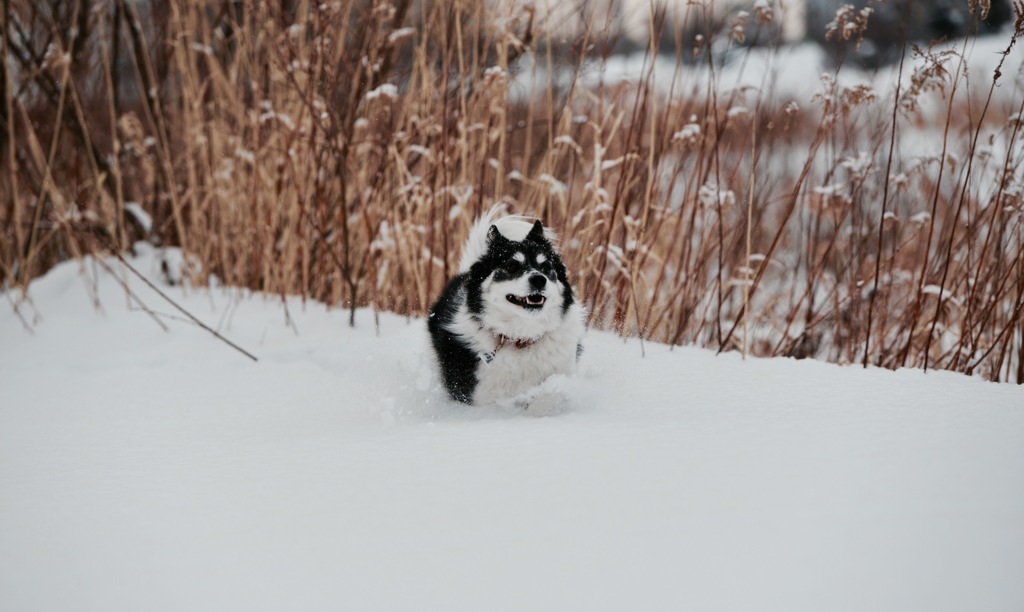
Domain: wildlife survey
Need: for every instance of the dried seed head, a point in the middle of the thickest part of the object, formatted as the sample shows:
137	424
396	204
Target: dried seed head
980	7
739	28
763	13
849	24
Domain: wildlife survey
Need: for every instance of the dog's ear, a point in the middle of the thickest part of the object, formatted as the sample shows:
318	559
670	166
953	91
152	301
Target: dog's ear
536	232
493	235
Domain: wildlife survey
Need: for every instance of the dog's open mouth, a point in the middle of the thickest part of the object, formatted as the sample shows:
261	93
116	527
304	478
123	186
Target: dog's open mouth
529	302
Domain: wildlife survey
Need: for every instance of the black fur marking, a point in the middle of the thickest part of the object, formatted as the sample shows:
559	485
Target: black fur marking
458	361
563	278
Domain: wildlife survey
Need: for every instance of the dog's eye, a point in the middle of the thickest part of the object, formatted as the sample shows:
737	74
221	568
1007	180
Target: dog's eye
513	264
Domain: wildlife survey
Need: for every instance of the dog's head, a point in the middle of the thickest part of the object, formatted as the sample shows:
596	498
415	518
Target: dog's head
519	288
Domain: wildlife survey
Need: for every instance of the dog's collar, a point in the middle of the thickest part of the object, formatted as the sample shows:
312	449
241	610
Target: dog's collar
505	340
518	342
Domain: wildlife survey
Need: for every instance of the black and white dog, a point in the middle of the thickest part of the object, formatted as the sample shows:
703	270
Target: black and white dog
509	319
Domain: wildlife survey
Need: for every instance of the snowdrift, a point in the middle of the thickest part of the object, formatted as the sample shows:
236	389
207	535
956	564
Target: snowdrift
152	469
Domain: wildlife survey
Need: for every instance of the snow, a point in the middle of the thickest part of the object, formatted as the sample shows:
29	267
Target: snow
787	74
387	90
689	133
143	469
401	34
140	215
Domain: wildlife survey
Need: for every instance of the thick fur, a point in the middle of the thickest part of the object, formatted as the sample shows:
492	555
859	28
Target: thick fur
509	319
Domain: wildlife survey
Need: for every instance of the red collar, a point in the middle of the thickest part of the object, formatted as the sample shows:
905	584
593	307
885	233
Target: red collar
502	341
518	342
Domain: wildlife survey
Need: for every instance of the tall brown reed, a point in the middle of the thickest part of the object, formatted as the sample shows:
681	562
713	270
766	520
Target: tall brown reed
340	151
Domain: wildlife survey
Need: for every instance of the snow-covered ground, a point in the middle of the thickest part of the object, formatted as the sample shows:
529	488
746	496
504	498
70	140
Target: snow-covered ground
143	469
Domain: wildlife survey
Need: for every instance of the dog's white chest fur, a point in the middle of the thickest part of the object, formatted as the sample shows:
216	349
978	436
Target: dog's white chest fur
514	370
509	320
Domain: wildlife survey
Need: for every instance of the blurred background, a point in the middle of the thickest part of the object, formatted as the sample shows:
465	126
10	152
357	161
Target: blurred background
782	177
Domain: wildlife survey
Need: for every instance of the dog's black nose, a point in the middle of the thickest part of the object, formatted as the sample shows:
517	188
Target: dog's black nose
537	281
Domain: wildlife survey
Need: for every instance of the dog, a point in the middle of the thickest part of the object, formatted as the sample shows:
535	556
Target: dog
508	320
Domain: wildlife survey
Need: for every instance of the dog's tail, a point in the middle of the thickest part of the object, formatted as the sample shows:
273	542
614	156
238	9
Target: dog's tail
513	227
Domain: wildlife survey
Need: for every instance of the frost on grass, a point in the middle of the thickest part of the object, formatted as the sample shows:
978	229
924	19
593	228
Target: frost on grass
385	91
140	216
555	186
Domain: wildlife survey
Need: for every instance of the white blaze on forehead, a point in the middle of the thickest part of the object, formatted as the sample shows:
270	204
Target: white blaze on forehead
541	258
519	257
513	227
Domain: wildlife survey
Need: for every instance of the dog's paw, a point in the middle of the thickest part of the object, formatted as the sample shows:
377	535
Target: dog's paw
546	404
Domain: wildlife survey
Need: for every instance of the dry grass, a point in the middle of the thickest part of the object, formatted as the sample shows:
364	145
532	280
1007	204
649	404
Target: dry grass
340	151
